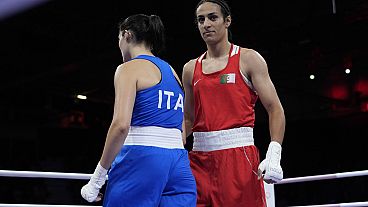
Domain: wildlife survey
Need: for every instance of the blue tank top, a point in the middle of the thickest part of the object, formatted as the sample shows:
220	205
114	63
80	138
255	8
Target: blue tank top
162	104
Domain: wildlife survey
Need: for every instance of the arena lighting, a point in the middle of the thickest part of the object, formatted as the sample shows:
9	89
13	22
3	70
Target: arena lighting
83	97
12	7
311	77
339	91
361	86
347	70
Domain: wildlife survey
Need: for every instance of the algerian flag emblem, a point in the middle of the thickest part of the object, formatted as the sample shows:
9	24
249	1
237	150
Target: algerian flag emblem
227	78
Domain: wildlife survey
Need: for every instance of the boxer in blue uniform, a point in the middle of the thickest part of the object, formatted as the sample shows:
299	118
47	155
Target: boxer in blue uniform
144	147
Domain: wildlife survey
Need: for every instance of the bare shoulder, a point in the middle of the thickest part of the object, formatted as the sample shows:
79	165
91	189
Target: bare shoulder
128	69
248	54
188	71
252	61
125	66
134	66
120	69
189	66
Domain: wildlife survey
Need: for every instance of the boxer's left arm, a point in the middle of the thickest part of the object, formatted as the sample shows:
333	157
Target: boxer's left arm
256	69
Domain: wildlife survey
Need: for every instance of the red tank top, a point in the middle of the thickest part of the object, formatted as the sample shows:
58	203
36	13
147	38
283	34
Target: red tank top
222	100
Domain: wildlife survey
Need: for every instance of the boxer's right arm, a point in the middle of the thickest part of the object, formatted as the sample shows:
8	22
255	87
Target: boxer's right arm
91	191
125	91
187	77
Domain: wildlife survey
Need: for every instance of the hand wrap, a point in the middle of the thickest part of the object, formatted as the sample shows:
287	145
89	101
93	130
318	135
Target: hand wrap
271	164
91	190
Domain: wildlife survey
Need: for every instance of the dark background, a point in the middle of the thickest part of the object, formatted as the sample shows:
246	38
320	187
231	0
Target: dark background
57	49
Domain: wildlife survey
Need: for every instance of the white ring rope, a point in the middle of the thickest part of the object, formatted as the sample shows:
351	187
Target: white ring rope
324	177
80	176
34	174
38	205
355	204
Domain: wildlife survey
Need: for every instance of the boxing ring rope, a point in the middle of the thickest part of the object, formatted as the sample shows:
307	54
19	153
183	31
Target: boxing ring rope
271	202
80	176
38	205
355	204
324	177
34	174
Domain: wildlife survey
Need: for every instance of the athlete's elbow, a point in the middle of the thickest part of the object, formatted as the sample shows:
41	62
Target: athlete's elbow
274	108
120	126
278	112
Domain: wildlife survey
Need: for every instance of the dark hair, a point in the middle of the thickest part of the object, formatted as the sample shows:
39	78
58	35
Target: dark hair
225	10
147	29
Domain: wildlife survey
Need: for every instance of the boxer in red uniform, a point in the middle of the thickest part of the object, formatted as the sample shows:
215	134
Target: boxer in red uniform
221	90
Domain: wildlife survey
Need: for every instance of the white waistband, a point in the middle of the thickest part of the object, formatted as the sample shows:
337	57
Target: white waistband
155	136
223	139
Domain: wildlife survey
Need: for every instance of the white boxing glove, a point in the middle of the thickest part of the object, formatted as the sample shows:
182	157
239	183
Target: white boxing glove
90	192
271	164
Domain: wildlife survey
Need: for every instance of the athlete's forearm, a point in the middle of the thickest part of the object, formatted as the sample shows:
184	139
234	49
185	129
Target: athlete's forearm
114	141
188	126
277	124
184	133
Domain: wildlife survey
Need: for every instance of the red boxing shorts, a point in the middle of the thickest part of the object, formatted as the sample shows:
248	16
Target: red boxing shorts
228	177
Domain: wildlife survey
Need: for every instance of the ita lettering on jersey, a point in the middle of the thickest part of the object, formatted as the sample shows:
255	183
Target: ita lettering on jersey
169	94
227	78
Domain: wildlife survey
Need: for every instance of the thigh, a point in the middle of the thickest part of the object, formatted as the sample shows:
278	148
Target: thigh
139	178
180	190
238	183
202	166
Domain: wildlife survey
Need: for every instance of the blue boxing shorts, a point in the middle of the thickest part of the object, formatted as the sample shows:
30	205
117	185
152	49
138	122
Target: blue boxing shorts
147	176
